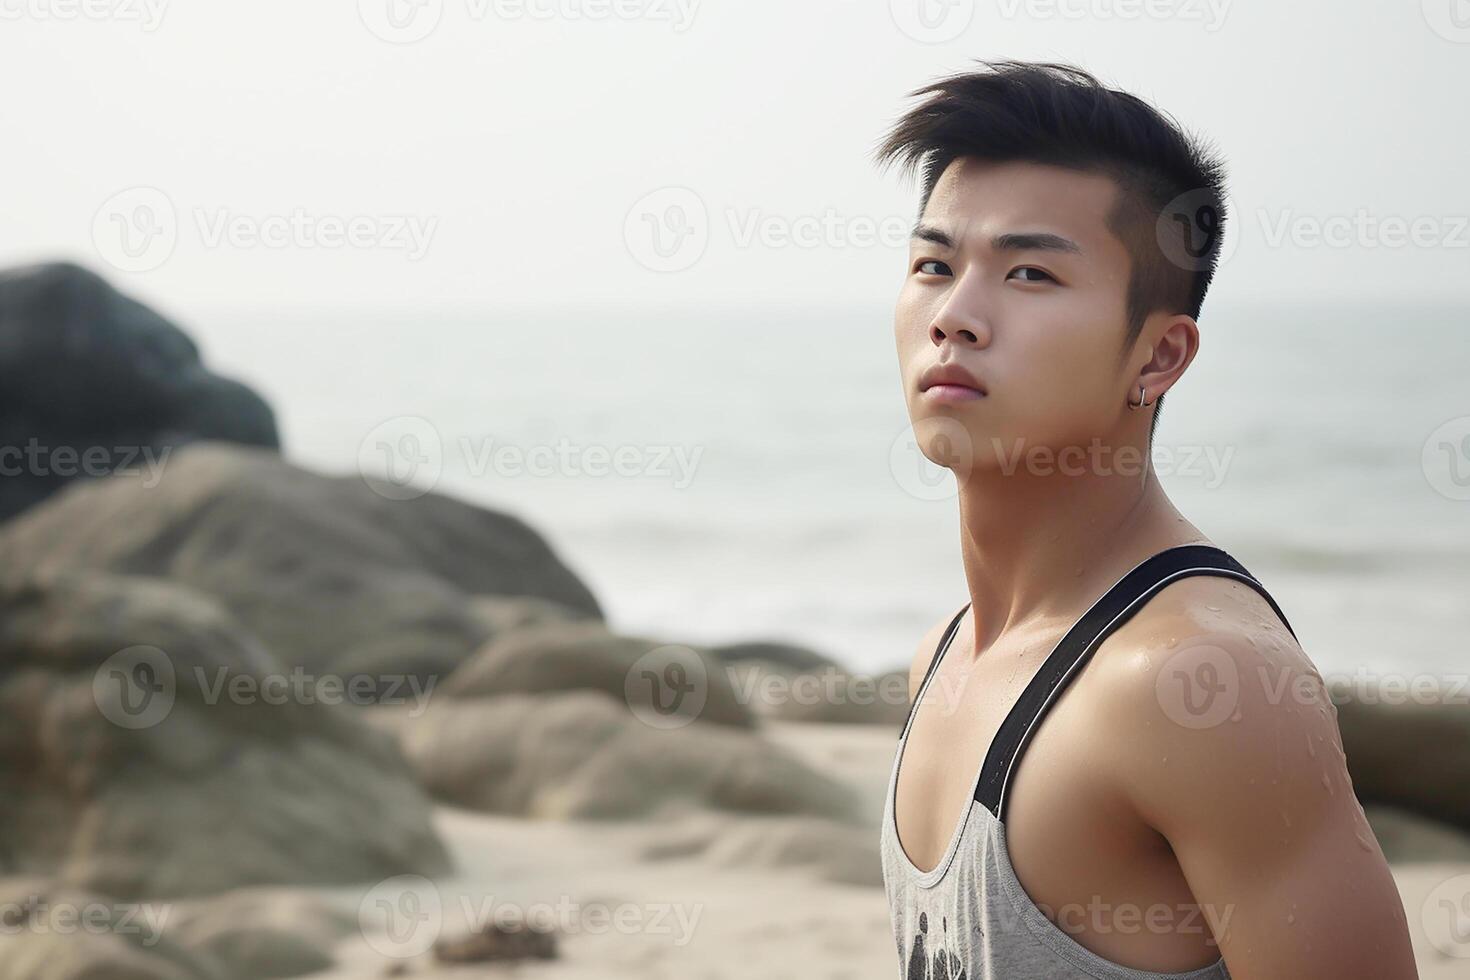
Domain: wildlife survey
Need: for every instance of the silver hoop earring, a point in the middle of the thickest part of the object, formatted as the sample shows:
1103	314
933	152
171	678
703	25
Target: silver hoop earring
1142	399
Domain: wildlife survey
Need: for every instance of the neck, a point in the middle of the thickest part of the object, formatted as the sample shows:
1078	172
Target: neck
1043	547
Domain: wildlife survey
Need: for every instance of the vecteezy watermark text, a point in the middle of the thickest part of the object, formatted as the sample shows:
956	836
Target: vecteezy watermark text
39	460
405	456
410	21
137	687
37	915
403	916
147	14
137	229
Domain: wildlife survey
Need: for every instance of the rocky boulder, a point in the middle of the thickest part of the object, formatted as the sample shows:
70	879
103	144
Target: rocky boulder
1409	754
151	747
329	575
93	382
584	755
569	656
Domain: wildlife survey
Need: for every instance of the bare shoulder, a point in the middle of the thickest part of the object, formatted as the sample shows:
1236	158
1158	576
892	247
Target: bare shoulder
924	653
1218	732
1214	708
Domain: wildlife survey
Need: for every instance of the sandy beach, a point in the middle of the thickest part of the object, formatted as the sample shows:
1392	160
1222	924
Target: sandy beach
758	923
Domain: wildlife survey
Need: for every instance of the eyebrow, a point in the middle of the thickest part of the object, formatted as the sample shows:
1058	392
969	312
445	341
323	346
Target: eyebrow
1012	242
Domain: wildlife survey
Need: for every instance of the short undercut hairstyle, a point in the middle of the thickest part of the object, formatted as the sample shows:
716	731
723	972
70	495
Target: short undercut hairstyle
1170	213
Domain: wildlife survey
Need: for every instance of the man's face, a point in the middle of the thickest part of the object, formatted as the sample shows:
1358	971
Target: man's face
1015	278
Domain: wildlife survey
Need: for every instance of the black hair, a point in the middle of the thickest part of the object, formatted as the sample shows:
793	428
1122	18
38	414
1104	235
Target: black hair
1170	213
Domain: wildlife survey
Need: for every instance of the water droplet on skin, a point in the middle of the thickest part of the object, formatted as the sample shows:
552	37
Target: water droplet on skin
1172	641
1213	608
1236	716
1311	749
1328	783
1285	818
1291	920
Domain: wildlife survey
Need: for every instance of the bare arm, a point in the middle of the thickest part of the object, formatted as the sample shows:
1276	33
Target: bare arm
1229	747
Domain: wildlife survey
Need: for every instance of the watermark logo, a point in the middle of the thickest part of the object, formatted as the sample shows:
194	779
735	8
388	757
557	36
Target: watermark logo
1193	224
401	917
1198	686
1446	459
932	21
667	687
1450	19
402	458
135	688
667	230
400	21
1446	917
928	458
136	230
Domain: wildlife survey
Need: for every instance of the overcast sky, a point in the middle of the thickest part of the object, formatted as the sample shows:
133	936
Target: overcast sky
478	153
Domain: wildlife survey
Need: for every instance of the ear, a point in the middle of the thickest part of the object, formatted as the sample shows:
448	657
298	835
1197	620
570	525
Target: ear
1165	347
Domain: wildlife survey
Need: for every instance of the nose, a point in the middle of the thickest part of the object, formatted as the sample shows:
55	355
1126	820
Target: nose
960	320
965	332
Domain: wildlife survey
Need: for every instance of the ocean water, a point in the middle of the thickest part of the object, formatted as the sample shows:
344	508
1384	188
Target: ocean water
765	492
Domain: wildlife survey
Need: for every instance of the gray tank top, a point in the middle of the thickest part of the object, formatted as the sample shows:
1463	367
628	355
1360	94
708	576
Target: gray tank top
969	918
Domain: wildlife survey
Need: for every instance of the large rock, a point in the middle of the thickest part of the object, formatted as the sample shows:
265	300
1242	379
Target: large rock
570	656
92	381
331	576
262	933
584	755
789	682
150	747
828	694
50	931
1407	754
789	657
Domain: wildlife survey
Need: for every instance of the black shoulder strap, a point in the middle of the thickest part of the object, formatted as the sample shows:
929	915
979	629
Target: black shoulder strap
1112	610
944	641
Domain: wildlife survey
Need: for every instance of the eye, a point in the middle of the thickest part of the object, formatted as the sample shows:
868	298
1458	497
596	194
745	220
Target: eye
1041	276
933	267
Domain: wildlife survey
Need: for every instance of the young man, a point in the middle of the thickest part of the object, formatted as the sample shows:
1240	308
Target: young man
1183	808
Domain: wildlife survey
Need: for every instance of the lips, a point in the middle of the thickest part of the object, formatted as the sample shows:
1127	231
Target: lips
949	376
